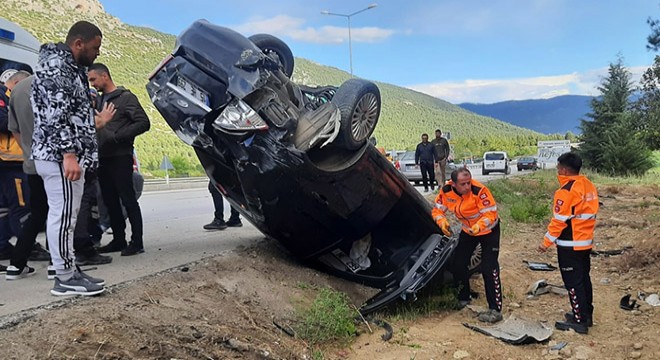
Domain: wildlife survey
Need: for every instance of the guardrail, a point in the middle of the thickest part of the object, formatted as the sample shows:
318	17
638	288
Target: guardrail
175	183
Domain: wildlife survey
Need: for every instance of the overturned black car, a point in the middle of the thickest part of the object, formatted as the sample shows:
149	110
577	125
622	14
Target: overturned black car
296	160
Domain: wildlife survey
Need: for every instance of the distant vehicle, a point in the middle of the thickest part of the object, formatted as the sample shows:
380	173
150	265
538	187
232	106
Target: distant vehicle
19	50
495	161
408	167
527	163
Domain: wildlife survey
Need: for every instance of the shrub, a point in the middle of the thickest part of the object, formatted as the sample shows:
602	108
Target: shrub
330	318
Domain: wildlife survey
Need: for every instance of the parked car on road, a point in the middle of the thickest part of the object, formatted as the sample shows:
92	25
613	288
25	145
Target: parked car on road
527	163
495	161
295	160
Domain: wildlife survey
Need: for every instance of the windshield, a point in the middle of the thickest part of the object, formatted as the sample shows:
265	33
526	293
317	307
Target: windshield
495	156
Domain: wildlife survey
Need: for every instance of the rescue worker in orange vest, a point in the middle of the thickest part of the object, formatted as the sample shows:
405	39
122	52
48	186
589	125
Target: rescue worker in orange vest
475	207
572	229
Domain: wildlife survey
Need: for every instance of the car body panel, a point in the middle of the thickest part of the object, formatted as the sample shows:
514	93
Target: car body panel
495	161
527	163
19	50
350	213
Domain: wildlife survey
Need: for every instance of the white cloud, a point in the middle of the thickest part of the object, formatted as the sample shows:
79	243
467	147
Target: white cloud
488	91
284	25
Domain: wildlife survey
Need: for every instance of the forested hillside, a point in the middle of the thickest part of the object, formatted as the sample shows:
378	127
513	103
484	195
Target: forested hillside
559	114
132	52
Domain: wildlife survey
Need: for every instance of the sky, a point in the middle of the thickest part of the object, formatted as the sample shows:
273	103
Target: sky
458	50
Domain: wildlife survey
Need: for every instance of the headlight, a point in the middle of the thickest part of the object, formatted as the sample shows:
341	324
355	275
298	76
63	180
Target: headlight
239	116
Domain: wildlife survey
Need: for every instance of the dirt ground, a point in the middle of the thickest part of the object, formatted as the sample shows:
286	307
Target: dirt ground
235	306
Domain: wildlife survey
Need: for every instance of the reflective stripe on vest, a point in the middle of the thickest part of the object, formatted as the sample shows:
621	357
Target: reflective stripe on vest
571	243
580	217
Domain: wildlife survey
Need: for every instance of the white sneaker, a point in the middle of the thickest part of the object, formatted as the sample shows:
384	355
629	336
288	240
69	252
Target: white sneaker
14	273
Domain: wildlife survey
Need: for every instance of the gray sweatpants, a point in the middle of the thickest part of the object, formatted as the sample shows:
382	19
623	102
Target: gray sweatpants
64	203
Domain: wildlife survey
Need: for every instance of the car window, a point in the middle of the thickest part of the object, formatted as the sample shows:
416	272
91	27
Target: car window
495	156
409	155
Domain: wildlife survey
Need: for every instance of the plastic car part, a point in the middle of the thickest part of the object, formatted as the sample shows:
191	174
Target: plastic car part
516	331
538	266
627	304
274	47
316	126
359	103
239	116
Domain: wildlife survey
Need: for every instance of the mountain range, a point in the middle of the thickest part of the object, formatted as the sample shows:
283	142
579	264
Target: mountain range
132	52
549	116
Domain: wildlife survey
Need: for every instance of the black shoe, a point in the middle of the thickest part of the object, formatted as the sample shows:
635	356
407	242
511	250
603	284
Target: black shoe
38	253
92	258
113	246
3	269
571	324
131	250
216	225
234	223
569	317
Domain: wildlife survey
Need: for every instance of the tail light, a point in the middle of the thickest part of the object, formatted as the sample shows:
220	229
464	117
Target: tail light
239	116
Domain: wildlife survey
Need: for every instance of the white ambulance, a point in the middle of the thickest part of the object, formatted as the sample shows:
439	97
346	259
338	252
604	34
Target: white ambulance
19	49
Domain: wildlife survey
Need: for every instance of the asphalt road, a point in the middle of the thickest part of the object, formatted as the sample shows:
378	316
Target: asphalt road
174	236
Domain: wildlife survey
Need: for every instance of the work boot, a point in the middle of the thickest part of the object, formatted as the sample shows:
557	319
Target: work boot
569	316
572	324
216	224
38	253
113	246
490	316
234	222
92	258
132	249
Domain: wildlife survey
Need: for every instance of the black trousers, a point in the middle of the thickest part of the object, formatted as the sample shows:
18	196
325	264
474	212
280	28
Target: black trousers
490	267
34	224
82	239
116	179
575	267
428	174
219	206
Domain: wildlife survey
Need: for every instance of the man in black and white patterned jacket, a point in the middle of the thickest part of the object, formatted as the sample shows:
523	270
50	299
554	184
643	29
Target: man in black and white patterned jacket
64	145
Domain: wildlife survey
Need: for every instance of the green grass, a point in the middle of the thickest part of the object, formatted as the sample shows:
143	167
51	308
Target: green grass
330	318
525	199
434	297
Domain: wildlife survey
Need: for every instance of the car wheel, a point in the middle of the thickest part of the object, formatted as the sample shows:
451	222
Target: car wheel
474	265
519	168
359	103
483	171
270	45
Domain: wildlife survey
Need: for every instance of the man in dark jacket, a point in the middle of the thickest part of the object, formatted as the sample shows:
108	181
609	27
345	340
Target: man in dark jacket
425	156
116	160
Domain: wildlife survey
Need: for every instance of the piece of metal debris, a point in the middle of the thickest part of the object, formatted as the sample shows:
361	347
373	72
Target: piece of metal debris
541	287
627	304
516	331
559	346
538	266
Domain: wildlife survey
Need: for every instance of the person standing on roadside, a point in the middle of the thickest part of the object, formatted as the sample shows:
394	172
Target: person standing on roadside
64	146
475	207
441	154
425	158
218	222
116	160
571	228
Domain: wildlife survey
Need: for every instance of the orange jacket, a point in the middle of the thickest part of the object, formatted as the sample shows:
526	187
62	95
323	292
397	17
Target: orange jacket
10	151
574	214
477	206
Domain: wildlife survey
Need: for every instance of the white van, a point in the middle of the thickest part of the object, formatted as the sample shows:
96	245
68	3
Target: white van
495	161
19	49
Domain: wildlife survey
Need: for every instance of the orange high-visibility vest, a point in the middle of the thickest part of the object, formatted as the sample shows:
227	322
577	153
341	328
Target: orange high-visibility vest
477	206
574	214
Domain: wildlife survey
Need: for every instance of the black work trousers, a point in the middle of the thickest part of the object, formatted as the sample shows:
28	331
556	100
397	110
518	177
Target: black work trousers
34	224
490	267
428	174
82	239
116	179
575	267
219	206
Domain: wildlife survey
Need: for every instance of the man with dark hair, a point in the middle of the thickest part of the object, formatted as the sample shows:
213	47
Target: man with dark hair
474	206
116	160
64	146
571	228
425	156
441	154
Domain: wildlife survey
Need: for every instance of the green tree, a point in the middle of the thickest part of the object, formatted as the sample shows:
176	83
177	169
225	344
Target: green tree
647	107
606	111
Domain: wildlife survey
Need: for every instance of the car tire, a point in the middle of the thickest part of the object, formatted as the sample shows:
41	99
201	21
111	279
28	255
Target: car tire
359	103
483	171
474	266
270	45
519	168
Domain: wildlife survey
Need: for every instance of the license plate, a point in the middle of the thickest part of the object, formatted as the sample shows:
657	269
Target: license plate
412	167
193	90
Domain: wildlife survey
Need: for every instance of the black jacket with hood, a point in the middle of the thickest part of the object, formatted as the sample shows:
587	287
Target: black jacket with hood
117	136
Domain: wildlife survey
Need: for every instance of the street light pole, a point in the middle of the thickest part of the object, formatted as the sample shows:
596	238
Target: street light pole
348	17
